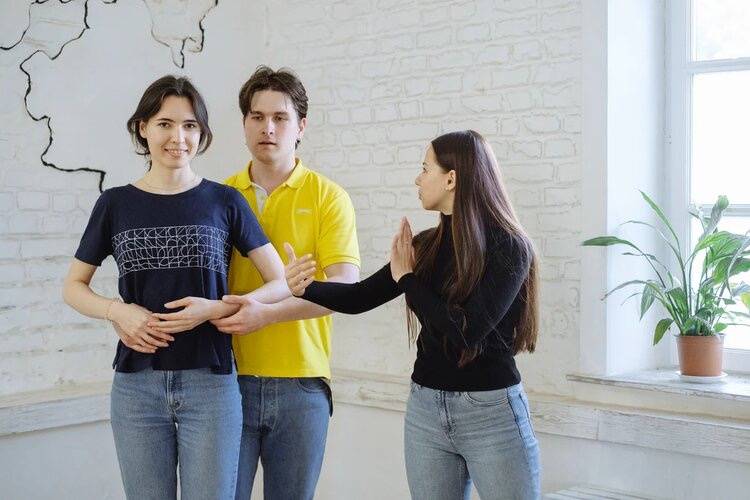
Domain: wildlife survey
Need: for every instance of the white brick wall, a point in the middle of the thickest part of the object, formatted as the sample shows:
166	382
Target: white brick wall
509	69
384	78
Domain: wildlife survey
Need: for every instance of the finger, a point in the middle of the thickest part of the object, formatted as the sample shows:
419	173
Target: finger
290	252
177	328
167	316
159	335
408	229
146	339
233	299
224	322
178	303
141	348
164	325
300	262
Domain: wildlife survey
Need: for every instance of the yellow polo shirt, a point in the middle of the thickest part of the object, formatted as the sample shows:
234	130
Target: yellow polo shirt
316	216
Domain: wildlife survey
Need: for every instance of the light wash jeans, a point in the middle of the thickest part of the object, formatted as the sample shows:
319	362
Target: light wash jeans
452	438
285	426
190	417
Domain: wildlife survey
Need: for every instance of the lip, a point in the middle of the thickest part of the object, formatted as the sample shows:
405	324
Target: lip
176	153
266	143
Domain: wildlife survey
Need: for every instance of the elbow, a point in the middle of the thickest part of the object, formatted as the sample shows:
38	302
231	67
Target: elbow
66	293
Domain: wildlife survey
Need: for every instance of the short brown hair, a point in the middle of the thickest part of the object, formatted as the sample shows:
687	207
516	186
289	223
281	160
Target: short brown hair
151	102
284	80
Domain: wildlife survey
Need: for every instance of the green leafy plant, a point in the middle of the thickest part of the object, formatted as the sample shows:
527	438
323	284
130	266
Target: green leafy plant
703	306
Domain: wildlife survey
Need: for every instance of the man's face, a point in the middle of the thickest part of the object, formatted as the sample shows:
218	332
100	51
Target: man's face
272	127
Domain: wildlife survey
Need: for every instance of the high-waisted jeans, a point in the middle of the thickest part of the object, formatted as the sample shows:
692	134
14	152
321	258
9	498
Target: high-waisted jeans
190	417
454	438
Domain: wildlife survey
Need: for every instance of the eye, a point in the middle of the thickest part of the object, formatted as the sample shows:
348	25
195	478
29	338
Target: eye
280	119
163	124
191	126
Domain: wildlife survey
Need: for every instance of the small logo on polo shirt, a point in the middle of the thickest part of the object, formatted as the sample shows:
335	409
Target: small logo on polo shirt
304	211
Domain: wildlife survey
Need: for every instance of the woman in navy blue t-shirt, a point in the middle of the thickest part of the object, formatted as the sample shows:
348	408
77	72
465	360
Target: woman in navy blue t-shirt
171	233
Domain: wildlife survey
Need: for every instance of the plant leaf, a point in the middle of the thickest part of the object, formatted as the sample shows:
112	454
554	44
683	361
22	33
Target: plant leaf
661	327
647	299
659	212
745	298
623	285
605	241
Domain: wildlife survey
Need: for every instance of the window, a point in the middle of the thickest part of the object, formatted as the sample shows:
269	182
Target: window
708	123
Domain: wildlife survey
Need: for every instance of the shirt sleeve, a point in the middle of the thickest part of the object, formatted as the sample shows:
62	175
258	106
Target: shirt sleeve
354	298
506	271
246	233
337	239
96	242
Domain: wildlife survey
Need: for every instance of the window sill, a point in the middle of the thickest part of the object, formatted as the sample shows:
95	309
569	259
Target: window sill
735	386
662	390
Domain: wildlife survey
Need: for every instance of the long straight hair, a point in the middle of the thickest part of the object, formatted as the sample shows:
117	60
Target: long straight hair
480	205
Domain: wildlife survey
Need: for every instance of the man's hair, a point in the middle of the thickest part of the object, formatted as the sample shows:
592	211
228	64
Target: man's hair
284	80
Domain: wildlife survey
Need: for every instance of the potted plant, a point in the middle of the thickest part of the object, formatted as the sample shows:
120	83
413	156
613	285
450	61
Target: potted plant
700	303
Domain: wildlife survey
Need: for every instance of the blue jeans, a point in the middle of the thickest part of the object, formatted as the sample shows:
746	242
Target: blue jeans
452	438
285	425
160	418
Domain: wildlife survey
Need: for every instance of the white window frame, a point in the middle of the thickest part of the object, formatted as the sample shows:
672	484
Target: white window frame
680	70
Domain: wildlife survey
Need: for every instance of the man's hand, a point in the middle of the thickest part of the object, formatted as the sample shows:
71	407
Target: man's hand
252	316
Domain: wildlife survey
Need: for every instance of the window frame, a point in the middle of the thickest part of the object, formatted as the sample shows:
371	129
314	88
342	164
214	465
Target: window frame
678	134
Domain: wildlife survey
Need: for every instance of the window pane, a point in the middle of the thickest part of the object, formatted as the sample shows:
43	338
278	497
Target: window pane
720	163
737	337
721	29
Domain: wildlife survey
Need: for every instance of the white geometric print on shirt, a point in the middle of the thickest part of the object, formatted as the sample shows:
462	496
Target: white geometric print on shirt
172	247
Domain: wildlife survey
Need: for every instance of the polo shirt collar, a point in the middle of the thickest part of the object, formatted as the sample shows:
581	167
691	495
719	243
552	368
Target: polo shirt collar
295	180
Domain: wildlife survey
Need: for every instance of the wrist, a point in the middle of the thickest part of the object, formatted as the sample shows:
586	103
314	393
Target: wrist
113	309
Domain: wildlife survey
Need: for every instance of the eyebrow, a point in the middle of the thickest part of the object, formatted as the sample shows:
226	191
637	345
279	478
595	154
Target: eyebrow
189	120
254	112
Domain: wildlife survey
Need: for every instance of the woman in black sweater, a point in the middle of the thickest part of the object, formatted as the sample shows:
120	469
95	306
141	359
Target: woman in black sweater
471	283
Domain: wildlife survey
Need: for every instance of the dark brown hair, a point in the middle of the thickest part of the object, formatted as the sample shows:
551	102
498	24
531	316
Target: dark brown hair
480	205
284	80
151	102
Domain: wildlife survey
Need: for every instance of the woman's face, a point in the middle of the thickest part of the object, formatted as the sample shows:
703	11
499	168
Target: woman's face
436	186
173	134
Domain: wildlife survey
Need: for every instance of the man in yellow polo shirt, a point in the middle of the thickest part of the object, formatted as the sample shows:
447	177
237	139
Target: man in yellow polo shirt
282	349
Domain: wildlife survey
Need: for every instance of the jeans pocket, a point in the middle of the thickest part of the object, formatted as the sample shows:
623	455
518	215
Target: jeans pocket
519	406
312	384
486	398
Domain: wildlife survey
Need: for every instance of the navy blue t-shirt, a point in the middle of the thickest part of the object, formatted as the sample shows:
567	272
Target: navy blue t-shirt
168	247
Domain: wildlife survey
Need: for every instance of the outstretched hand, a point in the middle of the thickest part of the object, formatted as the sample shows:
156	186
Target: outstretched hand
299	272
402	251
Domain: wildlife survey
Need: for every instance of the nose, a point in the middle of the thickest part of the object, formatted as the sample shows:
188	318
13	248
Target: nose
268	127
178	134
416	180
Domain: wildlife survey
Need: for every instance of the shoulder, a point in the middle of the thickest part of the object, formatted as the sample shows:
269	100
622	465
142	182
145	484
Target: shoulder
326	191
233	180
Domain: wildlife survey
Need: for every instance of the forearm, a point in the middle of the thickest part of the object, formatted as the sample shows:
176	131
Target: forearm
271	292
292	309
83	299
220	309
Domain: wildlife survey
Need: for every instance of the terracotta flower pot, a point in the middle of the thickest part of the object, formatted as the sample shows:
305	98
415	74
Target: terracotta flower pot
700	356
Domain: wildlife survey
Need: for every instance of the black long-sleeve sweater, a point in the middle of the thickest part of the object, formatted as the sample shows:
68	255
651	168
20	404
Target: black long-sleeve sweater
487	318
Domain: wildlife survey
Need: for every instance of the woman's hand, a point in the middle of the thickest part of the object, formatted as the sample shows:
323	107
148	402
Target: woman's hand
196	310
131	323
300	272
402	251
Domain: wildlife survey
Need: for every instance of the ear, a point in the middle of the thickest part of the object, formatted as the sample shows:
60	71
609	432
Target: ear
142	129
302	125
450	184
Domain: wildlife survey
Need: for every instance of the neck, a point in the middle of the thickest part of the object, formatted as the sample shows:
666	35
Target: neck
162	180
269	176
169	178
